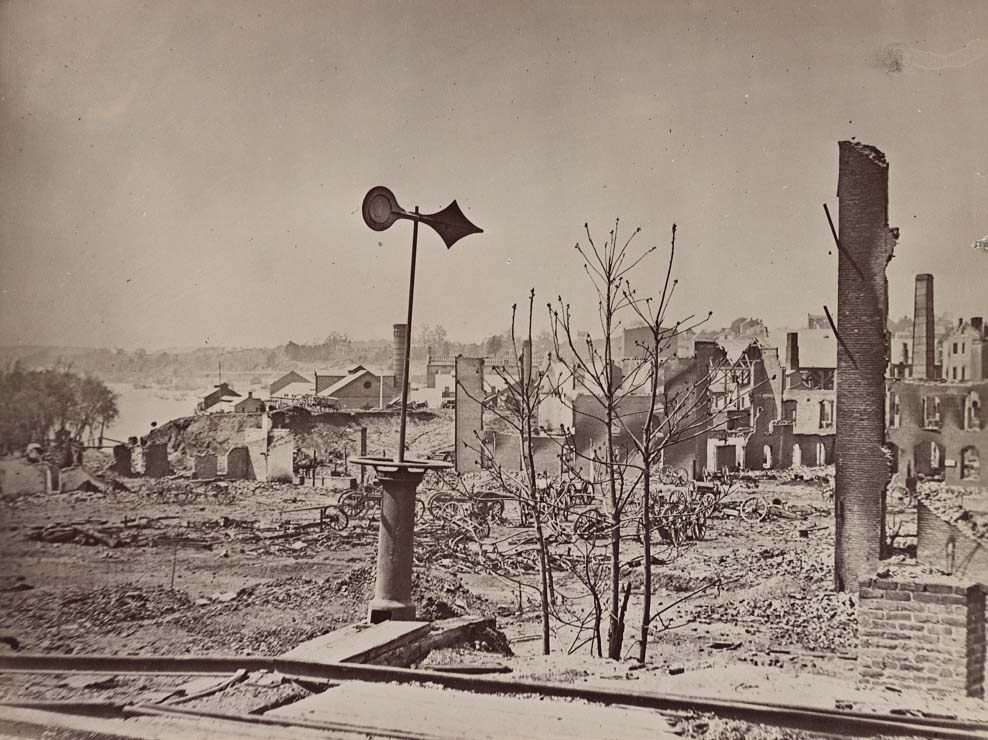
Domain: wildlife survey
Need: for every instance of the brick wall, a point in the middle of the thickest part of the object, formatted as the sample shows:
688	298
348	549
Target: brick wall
922	630
946	547
469	413
862	470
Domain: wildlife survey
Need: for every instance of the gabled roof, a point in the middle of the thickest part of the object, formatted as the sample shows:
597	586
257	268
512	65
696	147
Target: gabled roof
287	379
295	389
341	384
228	392
341	371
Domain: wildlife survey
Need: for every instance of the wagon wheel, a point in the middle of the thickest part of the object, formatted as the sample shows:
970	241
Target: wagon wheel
336	518
698	527
754	509
419	509
590	525
706	504
183	496
443	506
668	525
352	503
223	495
495	507
679	477
481	528
900	497
678	499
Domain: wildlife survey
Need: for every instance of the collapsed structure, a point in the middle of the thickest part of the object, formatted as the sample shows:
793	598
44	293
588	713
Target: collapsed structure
936	416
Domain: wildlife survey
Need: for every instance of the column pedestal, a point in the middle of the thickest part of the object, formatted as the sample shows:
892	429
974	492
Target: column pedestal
396	536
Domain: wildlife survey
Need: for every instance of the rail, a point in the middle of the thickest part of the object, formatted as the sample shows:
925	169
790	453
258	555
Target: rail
800	717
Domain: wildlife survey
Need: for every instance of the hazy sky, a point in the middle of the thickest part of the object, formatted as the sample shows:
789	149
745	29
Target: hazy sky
180	172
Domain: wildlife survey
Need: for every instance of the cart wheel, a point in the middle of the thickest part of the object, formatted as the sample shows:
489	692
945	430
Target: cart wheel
352	503
495	508
668	526
336	518
699	529
900	498
590	525
482	529
754	509
679	499
680	477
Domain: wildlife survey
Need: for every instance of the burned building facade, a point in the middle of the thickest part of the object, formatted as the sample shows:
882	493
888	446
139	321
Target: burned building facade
937	424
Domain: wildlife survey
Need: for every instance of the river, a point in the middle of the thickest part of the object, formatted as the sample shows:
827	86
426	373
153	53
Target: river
138	407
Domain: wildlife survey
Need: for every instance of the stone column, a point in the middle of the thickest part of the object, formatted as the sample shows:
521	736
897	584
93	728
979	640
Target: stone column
395	546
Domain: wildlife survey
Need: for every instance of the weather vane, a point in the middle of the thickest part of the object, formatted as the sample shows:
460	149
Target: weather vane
381	210
399	478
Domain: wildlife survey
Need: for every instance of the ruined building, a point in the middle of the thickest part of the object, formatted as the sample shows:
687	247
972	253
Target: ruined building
937	426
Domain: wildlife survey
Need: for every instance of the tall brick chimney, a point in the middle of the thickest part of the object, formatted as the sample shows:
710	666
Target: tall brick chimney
924	335
862	469
792	351
398	356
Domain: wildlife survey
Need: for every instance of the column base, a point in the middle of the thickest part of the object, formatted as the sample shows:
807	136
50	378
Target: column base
385	610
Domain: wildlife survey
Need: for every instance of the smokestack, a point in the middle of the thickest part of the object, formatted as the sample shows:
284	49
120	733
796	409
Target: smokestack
924	337
978	323
792	351
398	355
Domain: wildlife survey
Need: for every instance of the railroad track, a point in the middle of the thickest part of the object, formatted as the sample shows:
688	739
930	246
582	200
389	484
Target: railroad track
831	722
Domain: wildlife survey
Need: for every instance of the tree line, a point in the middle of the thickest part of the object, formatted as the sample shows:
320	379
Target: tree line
53	405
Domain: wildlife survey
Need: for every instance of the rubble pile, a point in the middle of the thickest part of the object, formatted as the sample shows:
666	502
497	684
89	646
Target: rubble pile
797	474
825	622
810	569
436	595
41	610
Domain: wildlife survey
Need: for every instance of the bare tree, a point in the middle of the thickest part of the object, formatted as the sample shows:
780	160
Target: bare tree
595	371
525	388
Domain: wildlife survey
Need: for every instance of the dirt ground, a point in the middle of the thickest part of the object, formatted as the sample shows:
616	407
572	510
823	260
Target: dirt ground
146	571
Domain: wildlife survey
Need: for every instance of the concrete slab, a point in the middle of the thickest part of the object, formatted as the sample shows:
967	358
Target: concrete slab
446	713
359	643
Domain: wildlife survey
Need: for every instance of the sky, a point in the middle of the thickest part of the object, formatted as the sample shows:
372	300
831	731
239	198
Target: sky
190	173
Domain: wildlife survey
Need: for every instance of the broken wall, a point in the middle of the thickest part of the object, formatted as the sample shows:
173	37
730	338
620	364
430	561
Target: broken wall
19	476
469	421
156	461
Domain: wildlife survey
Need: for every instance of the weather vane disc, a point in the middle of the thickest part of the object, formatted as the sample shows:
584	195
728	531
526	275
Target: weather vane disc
381	208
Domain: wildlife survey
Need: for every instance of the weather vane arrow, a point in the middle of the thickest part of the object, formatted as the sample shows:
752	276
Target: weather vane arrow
381	209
